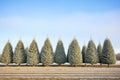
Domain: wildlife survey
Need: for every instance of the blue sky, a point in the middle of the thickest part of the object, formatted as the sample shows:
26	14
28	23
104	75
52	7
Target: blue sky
65	19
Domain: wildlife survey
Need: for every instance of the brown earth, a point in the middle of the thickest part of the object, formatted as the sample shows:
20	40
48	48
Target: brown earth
59	73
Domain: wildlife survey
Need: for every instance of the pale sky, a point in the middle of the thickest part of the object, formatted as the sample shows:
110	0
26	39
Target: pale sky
65	19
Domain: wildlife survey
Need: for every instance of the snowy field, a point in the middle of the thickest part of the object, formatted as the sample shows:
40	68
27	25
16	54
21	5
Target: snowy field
1	64
118	62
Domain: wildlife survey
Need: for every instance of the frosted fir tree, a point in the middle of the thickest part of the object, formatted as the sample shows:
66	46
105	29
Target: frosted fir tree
19	55
7	54
59	56
108	55
83	53
74	53
33	54
47	53
99	50
26	52
91	53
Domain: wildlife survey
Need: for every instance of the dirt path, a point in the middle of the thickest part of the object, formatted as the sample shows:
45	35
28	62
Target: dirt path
59	72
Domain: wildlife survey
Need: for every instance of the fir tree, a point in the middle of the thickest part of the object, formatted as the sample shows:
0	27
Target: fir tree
99	50
33	54
108	55
7	54
26	52
47	53
91	53
59	56
19	55
83	53
74	53
0	57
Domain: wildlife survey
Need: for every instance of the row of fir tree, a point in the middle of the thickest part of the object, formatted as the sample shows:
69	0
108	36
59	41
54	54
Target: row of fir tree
75	56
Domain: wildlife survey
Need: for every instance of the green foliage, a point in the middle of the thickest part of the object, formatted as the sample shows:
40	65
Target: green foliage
74	53
7	54
99	50
83	53
108	55
0	57
91	53
26	50
19	55
47	53
33	54
59	56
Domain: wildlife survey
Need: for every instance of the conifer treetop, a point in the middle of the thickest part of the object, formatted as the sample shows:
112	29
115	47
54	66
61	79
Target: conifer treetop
108	55
74	55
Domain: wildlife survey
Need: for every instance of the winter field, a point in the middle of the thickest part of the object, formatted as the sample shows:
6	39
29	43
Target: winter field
60	72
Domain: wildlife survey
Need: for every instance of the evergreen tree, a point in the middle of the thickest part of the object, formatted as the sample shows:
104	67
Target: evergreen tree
0	56
47	53
108	55
68	54
59	56
83	53
39	57
99	50
26	52
74	53
33	54
91	53
19	55
7	54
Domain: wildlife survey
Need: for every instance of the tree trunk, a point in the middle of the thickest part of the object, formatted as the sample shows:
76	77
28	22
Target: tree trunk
100	64
33	65
108	65
85	64
92	64
59	64
45	65
75	65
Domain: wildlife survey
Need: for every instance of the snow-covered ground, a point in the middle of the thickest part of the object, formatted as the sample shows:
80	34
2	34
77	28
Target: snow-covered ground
117	63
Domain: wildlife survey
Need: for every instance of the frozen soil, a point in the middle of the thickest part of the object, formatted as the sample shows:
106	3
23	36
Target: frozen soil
59	73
